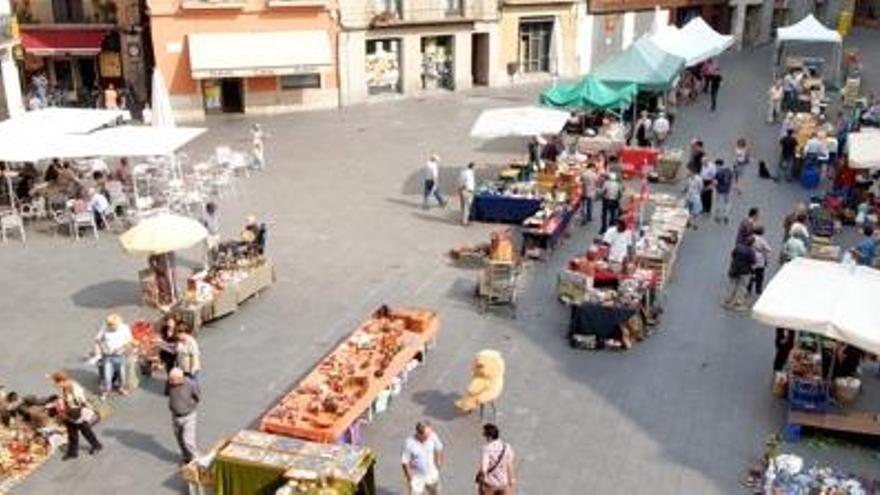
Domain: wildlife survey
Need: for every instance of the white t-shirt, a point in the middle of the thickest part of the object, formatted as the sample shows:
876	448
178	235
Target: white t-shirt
419	456
467	180
98	203
113	341
618	244
432	171
661	126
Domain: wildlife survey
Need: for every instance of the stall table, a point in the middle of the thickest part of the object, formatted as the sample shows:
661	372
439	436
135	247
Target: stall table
597	321
854	422
503	209
634	160
257	463
547	235
292	417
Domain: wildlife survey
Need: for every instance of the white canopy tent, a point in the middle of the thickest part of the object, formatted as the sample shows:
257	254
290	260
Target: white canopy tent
798	297
518	121
59	120
696	42
864	149
809	31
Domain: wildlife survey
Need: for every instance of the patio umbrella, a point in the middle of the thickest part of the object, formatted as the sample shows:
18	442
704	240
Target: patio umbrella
163	116
163	233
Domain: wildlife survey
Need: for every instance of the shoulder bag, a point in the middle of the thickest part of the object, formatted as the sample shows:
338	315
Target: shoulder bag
480	478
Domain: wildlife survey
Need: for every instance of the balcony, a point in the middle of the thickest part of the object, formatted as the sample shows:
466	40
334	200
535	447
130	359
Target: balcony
213	4
390	13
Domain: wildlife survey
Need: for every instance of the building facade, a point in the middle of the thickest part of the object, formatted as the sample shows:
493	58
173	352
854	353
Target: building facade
405	47
10	86
81	46
246	56
607	28
539	39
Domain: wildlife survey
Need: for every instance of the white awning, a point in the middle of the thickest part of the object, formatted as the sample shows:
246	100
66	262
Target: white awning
518	121
864	149
798	298
60	120
258	53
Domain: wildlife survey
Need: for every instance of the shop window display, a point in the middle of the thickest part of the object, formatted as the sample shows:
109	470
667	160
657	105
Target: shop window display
437	59
383	66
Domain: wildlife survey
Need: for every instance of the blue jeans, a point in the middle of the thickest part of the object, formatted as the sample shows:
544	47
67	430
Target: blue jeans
113	364
431	190
786	167
587	210
609	213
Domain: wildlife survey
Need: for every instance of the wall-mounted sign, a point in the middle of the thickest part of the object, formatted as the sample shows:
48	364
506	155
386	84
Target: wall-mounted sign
621	6
110	64
255	71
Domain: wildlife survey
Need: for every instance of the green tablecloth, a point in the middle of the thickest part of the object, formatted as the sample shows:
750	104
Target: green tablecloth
240	478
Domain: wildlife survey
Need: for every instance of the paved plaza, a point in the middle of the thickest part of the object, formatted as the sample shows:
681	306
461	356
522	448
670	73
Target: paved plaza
683	412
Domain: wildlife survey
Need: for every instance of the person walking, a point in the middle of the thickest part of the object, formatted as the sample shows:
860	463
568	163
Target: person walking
740	161
707	173
774	101
747	227
787	154
661	129
113	342
258	146
695	162
77	415
865	251
762	255
742	259
692	192
723	187
589	181
421	461
432	179
189	357
496	474
612	191
714	86
183	400
467	183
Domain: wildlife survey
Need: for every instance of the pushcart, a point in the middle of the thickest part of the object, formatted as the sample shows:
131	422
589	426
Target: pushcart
496	286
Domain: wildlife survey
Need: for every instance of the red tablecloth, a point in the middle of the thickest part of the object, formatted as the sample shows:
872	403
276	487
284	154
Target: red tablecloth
633	160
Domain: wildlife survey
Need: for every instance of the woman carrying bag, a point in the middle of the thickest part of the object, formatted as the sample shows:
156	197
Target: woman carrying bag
77	414
497	475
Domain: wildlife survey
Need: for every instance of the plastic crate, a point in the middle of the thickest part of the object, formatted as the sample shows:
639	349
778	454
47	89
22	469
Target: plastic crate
809	395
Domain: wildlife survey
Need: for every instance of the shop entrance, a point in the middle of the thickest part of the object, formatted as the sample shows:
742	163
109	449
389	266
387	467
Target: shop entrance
752	28
437	63
232	95
480	59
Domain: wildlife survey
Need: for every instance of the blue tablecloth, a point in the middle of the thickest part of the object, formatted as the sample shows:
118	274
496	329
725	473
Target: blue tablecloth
503	209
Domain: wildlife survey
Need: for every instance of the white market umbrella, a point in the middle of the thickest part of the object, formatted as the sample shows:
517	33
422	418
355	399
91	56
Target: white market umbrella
163	233
163	116
518	122
864	149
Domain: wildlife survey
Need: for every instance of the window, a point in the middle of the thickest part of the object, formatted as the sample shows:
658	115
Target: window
301	81
453	6
534	45
67	11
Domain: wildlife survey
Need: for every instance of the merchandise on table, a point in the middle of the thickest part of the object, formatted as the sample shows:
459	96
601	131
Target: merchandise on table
362	369
29	433
253	462
786	474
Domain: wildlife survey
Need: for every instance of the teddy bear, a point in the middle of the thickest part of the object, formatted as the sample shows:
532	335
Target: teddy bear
486	383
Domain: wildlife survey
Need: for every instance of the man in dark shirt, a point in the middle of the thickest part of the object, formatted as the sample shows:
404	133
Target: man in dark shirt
788	147
695	164
742	258
747	226
183	399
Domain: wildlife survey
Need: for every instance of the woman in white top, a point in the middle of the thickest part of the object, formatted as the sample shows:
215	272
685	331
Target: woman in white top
741	159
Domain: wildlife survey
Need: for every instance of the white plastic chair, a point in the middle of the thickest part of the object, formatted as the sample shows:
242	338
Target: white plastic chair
83	220
35	209
12	220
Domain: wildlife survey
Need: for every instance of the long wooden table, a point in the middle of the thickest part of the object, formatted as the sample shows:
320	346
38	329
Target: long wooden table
312	426
864	423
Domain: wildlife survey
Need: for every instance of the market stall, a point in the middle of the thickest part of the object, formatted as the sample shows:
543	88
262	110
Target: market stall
828	335
864	149
644	64
589	93
613	308
356	379
695	42
809	37
254	462
518	122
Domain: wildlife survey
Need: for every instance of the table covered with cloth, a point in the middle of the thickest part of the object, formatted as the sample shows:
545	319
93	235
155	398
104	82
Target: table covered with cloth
257	463
548	235
503	209
595	319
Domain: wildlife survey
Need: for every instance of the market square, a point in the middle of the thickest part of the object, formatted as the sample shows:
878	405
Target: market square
339	197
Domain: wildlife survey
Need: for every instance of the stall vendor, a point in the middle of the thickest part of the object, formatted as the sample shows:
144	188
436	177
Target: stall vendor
784	343
162	266
619	240
254	233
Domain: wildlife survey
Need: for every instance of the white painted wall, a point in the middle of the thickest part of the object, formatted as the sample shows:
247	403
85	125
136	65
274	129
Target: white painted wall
629	28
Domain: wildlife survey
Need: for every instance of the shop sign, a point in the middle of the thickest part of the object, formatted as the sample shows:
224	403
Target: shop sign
621	6
254	71
110	64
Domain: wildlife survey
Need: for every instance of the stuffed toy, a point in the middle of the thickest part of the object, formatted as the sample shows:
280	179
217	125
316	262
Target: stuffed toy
487	381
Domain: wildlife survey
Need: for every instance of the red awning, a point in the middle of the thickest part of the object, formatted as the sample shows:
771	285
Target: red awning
42	42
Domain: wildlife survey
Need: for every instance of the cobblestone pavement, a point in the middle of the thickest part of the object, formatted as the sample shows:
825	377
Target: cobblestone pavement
683	412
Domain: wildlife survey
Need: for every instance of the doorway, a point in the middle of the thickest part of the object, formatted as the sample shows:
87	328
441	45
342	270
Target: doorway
480	59
232	95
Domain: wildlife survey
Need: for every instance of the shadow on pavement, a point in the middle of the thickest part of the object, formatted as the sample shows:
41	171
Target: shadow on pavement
143	442
437	405
107	295
448	217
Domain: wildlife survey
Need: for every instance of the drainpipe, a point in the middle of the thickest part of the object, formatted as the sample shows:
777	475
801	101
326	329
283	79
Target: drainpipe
336	16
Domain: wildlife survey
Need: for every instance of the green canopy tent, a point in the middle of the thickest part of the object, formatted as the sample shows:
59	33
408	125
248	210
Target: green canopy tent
589	93
643	63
